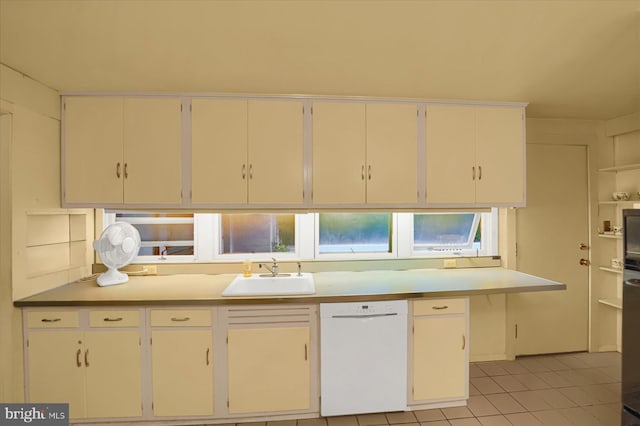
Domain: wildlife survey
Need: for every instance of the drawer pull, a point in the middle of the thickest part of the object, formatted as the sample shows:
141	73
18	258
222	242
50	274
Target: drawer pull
306	353
207	357
78	362
50	319
107	319
439	308
180	319
464	342
86	357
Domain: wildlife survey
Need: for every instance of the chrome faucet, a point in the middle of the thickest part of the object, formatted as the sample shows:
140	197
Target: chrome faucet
275	269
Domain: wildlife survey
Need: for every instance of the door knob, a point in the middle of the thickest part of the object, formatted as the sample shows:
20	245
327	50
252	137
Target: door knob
585	262
583	246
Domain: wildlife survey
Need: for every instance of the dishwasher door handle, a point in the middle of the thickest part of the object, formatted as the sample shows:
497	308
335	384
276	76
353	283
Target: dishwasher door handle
390	314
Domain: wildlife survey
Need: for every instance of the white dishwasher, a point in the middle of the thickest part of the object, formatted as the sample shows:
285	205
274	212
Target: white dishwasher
363	355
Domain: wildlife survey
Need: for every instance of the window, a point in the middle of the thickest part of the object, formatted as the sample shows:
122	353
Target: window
446	231
163	235
355	233
208	237
257	233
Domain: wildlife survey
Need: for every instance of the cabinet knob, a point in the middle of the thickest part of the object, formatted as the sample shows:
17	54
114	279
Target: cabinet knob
585	262
583	246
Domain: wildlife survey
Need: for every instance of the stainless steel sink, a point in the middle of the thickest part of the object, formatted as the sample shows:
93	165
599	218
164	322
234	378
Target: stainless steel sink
268	285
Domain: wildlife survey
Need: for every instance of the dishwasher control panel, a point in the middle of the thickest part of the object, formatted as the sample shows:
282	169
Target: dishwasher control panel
398	307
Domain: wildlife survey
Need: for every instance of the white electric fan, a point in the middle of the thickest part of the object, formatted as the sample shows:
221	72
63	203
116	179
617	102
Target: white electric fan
118	246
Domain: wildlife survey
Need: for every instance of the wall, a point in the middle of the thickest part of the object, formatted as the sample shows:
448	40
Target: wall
30	208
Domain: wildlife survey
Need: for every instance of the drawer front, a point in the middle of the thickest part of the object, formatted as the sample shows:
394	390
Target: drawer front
439	307
53	319
180	318
112	318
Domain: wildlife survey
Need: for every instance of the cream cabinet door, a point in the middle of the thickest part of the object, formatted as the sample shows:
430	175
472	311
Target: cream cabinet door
113	374
219	168
276	169
439	358
392	151
93	158
451	155
152	151
182	372
500	155
268	369
339	147
56	369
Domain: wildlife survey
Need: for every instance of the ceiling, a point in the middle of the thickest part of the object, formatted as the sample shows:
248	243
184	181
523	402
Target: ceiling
569	59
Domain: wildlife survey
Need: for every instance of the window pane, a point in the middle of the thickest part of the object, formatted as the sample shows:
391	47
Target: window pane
355	232
162	234
432	230
258	233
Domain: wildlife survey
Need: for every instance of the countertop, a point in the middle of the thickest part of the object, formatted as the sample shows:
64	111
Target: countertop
185	289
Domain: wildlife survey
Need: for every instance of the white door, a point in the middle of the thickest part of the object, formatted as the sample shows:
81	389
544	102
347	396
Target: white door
549	233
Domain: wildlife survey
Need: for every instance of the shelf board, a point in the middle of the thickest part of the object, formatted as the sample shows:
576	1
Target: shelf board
610	236
619	203
621	168
614	303
610	269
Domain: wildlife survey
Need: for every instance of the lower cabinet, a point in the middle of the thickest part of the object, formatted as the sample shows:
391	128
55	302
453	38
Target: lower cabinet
182	362
440	351
270	359
268	369
98	372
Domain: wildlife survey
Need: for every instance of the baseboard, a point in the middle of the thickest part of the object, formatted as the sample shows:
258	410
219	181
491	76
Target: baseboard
609	348
487	357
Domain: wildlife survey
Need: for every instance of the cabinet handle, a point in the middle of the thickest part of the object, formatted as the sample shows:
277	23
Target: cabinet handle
244	171
464	342
118	170
86	357
250	171
437	308
50	319
126	170
306	354
78	362
473	173
107	319
362	173
479	172
207	356
180	319
369	172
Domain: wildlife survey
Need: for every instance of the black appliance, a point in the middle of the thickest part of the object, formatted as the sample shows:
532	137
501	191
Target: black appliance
631	319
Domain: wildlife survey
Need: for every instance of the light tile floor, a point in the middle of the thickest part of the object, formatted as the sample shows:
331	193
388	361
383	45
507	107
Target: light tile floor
551	390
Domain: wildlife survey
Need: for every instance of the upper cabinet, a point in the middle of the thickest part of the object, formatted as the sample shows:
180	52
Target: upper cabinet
230	152
246	152
122	151
365	153
475	156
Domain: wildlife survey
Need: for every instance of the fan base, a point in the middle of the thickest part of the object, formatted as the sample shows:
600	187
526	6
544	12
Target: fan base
112	277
